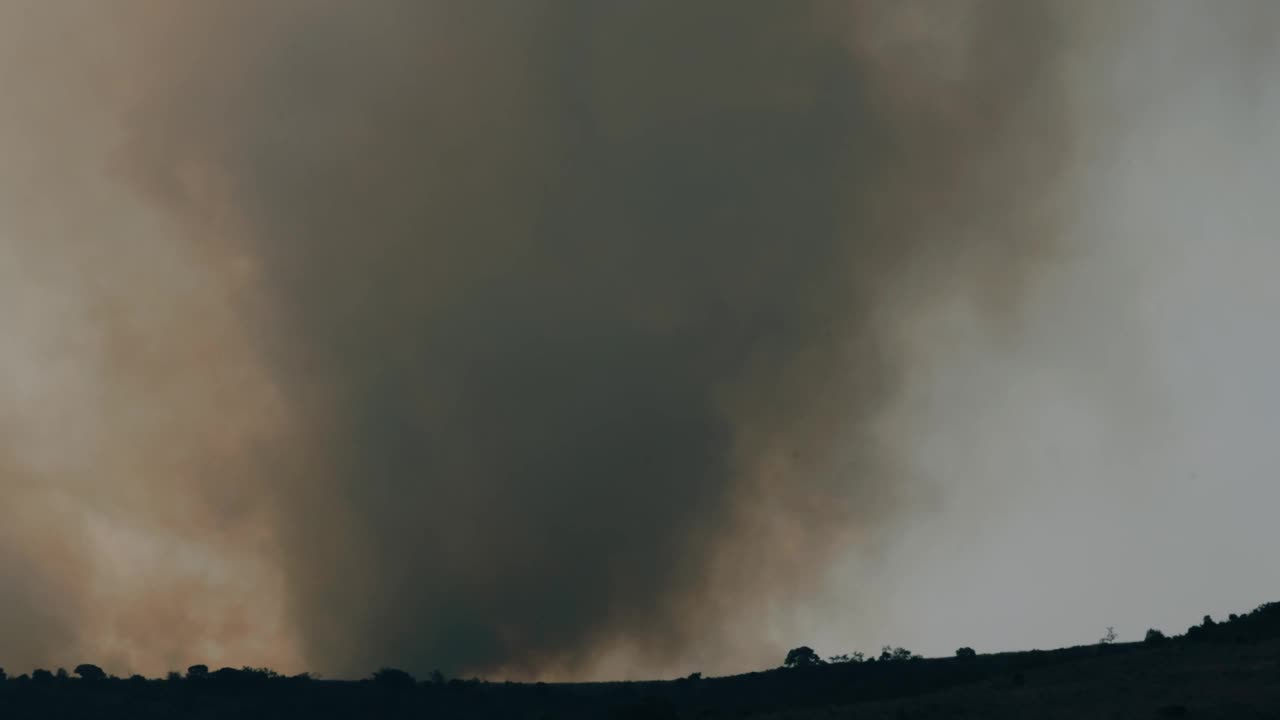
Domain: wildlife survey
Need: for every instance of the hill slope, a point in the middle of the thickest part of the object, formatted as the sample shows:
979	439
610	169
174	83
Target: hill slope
1215	670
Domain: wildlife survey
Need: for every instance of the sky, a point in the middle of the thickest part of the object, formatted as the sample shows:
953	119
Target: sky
573	340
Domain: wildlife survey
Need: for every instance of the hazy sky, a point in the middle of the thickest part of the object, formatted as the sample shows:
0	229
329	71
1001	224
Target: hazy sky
596	340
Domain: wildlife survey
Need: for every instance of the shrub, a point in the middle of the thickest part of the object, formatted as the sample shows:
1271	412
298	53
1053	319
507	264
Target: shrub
1110	637
1154	637
966	652
394	679
803	656
90	672
253	674
198	672
896	654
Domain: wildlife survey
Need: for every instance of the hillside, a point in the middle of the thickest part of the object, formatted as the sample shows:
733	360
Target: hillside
1229	669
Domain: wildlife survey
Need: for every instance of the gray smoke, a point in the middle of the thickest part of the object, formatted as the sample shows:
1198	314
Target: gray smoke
570	301
581	315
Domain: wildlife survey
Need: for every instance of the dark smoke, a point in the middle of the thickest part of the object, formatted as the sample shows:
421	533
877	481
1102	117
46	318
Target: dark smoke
584	312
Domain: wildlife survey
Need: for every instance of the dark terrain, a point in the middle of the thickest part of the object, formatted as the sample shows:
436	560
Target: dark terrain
1228	669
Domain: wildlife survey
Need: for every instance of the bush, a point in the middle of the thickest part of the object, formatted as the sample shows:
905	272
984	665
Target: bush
800	657
198	672
394	679
244	675
1154	637
896	654
90	672
966	652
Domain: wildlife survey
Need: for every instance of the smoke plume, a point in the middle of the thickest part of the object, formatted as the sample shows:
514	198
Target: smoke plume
517	338
583	314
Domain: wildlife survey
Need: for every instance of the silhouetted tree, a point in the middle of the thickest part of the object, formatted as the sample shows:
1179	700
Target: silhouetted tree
61	674
90	672
1208	622
226	675
1110	637
437	677
966	652
888	653
3	677
800	657
198	672
257	674
1154	637
394	679
173	676
41	675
